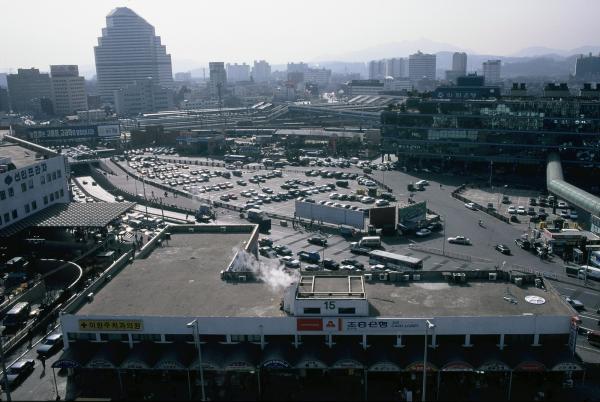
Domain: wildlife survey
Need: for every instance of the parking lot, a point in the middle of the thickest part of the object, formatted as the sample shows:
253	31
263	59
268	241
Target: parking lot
272	191
524	204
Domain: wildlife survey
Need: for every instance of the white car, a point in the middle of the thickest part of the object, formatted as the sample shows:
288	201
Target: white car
459	240
521	210
562	205
382	203
511	210
423	232
334	196
290	262
367	200
471	205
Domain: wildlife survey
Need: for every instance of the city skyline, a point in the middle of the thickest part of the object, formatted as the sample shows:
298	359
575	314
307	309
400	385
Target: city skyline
193	44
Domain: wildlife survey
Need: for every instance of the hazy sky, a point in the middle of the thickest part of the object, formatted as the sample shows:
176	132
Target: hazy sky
43	32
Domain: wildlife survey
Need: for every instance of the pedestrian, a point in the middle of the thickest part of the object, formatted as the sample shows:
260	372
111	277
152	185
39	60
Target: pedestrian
29	337
43	360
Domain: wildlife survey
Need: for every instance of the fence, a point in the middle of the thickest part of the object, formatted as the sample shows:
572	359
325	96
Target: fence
449	254
491	212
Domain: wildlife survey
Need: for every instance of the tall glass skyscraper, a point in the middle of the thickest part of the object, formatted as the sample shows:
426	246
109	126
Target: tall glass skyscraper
129	50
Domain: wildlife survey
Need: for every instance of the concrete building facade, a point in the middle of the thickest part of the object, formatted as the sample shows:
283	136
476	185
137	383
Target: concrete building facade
27	88
421	66
491	72
261	72
238	72
68	89
142	96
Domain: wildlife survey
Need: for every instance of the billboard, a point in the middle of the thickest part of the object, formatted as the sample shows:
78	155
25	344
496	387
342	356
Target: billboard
65	133
412	213
383	216
327	214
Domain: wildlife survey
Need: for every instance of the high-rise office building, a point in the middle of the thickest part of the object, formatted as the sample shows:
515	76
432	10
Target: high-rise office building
29	90
587	67
459	63
217	77
297	67
421	66
129	50
68	89
261	72
491	72
319	76
238	72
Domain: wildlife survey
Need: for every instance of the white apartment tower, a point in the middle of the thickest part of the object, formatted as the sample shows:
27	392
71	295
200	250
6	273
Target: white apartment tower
396	67
261	72
491	72
459	63
129	50
238	72
421	66
377	69
217	77
68	90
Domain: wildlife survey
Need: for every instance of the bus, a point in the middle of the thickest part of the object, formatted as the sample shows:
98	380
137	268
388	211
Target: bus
235	158
593	338
17	315
394	261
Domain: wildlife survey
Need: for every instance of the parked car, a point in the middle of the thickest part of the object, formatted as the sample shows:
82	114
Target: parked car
573	215
523	243
17	372
50	345
576	304
459	240
354	263
503	248
312	267
290	262
282	250
319	241
423	232
521	210
511	210
330	264
471	206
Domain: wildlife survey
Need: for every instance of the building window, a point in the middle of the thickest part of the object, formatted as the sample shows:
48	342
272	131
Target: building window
2	195
48	178
23	187
312	310
34	205
0	220
56	194
6	217
51	197
27	209
346	310
14	214
30	183
45	200
58	173
114	337
43	179
146	337
53	175
11	192
244	338
62	193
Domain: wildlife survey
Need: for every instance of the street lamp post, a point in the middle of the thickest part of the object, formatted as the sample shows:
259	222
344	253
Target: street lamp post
145	199
428	325
194	325
5	376
444	239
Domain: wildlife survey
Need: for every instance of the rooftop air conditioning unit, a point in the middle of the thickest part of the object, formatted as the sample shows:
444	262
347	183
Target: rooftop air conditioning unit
383	277
405	278
416	277
368	277
242	278
90	297
493	276
538	283
519	281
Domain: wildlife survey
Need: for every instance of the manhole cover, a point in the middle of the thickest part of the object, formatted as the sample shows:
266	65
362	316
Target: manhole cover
535	299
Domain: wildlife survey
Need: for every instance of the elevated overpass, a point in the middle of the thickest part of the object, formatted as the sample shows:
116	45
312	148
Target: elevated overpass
573	195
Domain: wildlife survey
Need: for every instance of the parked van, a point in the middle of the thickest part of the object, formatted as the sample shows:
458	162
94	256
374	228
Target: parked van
370	241
17	315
